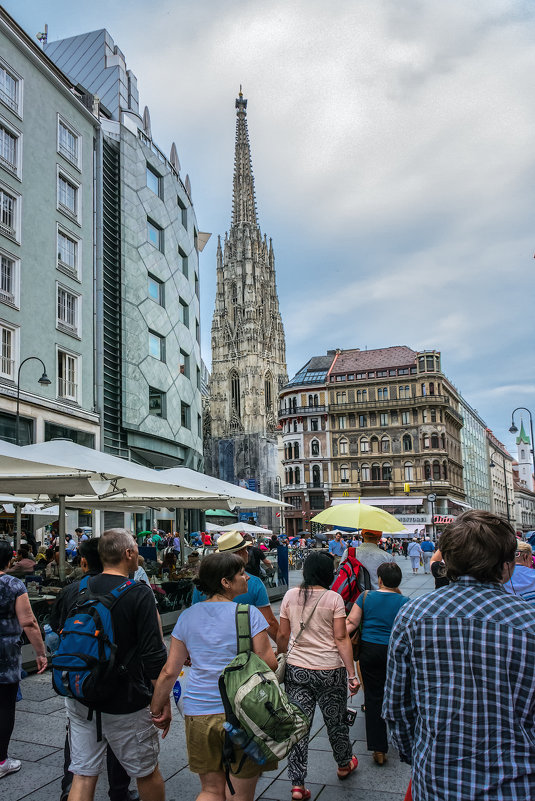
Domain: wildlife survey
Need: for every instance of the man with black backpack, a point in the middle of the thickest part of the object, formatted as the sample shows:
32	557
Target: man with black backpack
107	695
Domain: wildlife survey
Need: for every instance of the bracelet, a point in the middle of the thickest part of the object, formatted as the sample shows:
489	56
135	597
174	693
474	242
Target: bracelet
351	678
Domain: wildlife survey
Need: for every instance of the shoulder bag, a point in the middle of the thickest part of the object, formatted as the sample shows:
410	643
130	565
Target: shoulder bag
357	634
282	659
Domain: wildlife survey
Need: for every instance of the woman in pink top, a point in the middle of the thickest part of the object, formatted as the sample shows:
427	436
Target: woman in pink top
320	664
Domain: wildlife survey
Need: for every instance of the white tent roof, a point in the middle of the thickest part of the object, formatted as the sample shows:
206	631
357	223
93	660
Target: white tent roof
238	496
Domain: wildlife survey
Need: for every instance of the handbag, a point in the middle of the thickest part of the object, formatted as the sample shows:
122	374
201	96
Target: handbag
282	659
357	634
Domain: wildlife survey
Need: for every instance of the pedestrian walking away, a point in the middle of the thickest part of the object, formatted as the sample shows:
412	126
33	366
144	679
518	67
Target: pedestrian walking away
415	554
428	548
320	667
371	556
459	696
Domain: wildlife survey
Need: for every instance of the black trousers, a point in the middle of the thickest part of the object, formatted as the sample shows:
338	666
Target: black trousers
118	778
8	698
373	668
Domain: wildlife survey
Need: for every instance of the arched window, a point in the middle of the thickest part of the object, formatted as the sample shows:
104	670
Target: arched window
297	473
434	441
295	426
365	472
364	445
294	404
427	471
316	476
234	300
286	452
316	400
344	474
296	450
436	471
235	395
290	476
426	442
407	442
522	454
408	471
385	445
311	400
386	472
431	388
382	393
268	391
362	395
445	471
374	445
315	448
443	441
343	446
376	472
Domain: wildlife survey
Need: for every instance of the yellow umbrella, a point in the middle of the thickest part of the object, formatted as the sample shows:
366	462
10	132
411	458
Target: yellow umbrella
359	515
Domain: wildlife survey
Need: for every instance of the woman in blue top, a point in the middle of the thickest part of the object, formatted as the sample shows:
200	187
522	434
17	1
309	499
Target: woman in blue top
206	633
376	610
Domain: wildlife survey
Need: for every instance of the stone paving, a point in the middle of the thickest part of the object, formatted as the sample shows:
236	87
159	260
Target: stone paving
40	732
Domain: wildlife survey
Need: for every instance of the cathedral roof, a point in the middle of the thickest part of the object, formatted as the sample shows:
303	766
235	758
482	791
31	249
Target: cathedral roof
357	360
522	437
243	198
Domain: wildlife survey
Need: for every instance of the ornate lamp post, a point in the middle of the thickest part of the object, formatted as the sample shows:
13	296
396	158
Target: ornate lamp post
513	429
44	381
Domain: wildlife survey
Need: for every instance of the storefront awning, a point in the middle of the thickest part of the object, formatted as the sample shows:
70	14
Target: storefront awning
389	501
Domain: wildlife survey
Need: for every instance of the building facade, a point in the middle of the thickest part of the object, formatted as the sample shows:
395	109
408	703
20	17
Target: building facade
501	479
147	354
524	503
248	345
47	138
475	454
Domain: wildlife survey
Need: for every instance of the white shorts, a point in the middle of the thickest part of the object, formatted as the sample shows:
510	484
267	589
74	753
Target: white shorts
133	739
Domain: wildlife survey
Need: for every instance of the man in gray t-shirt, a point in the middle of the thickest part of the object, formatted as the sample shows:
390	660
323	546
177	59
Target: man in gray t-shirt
371	555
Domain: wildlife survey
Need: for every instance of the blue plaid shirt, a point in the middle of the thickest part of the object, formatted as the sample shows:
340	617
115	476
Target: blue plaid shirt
459	697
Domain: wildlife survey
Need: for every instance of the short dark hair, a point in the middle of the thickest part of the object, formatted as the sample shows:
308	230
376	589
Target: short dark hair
214	568
477	544
6	554
78	529
390	574
318	569
88	550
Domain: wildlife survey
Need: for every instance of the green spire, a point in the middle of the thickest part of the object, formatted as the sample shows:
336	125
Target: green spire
522	437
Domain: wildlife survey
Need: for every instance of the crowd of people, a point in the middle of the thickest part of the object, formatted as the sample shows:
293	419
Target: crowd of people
448	677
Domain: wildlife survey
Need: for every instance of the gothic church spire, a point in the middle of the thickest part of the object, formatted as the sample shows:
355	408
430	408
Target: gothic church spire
243	200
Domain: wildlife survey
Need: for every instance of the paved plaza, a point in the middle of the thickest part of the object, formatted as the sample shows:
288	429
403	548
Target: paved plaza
40	733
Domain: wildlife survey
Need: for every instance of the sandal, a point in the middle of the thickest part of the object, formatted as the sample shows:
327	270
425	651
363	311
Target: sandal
300	794
343	773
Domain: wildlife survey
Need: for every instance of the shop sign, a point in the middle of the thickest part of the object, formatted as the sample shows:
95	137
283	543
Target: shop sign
414	518
443	520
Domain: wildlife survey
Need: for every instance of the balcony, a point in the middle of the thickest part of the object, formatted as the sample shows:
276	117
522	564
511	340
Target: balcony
318	485
297	411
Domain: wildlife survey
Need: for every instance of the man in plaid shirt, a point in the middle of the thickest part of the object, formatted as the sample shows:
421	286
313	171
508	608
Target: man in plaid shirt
460	691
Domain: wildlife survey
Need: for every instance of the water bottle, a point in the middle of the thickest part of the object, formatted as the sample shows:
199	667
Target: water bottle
240	738
51	639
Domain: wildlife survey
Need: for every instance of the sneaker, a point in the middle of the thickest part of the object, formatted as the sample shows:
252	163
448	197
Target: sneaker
9	766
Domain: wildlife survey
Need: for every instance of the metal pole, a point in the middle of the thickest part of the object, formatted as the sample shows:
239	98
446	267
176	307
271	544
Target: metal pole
42	381
506	490
18	509
182	538
524	409
61	533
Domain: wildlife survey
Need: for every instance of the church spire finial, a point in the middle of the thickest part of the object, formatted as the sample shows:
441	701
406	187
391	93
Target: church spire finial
243	201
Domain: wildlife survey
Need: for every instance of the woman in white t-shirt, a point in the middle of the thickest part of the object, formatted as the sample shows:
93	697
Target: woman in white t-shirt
206	632
320	665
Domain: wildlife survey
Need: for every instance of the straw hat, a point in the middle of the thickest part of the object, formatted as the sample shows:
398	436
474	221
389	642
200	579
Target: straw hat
232	541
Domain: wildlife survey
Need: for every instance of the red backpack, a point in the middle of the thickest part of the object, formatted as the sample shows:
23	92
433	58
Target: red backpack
352	579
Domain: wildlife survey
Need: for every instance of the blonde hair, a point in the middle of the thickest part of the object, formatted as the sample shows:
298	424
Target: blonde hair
524	547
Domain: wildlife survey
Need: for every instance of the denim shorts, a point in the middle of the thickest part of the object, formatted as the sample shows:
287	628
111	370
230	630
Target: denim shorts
133	739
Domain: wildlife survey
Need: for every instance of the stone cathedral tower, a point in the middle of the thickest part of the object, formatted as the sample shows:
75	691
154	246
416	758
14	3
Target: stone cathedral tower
248	346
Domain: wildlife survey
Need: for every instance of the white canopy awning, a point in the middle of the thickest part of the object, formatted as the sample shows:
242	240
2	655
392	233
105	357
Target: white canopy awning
388	501
246	528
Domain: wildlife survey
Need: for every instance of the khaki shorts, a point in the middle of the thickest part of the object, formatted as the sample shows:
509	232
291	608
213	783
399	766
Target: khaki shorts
133	739
205	737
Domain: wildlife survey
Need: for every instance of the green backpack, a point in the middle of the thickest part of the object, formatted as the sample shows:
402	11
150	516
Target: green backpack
255	702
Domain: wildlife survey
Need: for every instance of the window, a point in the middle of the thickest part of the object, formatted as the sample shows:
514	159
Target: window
156	346
9	213
407	442
445	471
383	419
403	371
199	426
385	445
297	474
342	421
68	254
431	388
341	397
235	395
381	373
392	372
184	415
404	392
426	441
363	421
317	501
68	143
315	448
405	418
155	235
10	85
340	377
424	391
184	312
408	471
433	415
386	472
154	181
183	261
361	375
436	471
68	313
429	363
376	472
296	450
68	196
427	471
364	445
155	289
268	381
156	402
344	474
314	424
295	500
198	378
184	363
343	447
290	475
8	351
68	370
55	431
197	286
9	279
295	427
382	393
183	211
362	395
316	475
9	149
434	441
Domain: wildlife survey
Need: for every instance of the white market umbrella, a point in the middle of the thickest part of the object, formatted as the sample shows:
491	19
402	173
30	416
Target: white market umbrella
247	528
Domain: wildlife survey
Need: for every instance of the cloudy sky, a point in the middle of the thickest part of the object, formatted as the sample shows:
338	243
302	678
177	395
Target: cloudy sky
393	153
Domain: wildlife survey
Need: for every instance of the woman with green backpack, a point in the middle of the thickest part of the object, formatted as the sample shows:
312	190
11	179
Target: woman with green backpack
319	667
206	633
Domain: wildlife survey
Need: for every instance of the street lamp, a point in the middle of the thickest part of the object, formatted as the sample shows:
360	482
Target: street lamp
493	464
513	429
44	381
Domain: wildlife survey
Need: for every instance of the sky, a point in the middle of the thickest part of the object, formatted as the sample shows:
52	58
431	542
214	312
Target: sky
393	154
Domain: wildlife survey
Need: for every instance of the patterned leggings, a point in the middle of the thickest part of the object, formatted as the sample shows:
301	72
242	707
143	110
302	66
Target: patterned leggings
328	688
